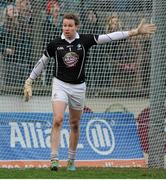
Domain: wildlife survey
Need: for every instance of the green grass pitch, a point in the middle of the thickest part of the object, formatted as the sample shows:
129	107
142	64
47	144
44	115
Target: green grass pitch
84	173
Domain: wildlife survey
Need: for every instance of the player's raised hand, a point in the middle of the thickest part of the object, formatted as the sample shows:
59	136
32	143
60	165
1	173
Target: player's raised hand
143	28
28	89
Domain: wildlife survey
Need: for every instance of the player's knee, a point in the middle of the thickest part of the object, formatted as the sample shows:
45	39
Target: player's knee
74	125
57	121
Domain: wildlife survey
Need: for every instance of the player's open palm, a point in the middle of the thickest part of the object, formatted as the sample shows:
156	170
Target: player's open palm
146	28
28	89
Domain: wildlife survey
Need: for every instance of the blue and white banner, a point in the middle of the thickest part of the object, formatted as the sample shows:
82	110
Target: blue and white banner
26	136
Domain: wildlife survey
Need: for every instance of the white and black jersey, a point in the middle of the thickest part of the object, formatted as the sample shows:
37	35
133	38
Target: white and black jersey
70	57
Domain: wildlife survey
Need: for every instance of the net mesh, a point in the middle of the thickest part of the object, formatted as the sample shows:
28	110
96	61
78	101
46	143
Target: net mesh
118	74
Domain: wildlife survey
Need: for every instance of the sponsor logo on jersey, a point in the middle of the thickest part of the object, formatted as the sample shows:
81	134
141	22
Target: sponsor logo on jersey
60	48
71	59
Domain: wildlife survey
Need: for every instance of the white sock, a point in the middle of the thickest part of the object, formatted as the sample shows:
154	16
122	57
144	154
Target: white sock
54	156
71	155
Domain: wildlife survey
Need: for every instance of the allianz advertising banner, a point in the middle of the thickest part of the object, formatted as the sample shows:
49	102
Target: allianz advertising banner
106	140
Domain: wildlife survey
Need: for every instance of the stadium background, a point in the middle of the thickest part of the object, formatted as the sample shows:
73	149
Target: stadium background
127	89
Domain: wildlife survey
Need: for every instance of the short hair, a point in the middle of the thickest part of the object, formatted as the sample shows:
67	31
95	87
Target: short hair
72	16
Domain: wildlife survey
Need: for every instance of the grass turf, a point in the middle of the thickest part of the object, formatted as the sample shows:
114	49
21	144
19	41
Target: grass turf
84	173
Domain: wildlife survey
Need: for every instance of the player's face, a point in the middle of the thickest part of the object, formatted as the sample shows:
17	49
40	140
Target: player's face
69	28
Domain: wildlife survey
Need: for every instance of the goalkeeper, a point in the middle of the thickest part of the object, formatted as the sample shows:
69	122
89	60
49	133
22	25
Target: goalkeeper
68	86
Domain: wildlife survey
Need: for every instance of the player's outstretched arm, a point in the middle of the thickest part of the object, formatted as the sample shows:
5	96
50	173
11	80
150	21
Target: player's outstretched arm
143	28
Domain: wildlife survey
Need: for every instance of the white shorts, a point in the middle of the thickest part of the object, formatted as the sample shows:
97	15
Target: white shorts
72	94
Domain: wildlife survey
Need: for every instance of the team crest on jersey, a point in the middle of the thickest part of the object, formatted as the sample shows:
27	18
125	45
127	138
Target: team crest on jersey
71	59
79	46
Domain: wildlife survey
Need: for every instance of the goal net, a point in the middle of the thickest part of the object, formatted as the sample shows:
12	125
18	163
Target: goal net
123	120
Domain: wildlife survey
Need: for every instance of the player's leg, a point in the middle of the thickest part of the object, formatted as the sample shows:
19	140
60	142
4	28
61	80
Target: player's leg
59	103
75	116
58	113
76	105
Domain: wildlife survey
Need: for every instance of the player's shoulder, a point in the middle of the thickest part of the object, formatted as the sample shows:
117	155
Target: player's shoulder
54	42
82	36
87	37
